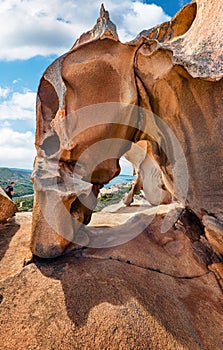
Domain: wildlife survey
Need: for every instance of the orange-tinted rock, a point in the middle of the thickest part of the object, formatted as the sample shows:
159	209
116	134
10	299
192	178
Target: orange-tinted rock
112	299
87	118
180	80
214	232
171	252
192	109
100	304
7	207
218	268
194	36
15	238
149	175
200	49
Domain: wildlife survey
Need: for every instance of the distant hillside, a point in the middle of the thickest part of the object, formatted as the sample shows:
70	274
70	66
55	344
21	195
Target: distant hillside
21	177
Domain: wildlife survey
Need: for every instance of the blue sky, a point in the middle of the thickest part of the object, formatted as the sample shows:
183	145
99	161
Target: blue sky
33	34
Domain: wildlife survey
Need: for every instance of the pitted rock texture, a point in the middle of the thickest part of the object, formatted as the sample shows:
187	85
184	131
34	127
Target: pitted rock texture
7	207
97	304
172	71
214	233
15	237
155	292
200	50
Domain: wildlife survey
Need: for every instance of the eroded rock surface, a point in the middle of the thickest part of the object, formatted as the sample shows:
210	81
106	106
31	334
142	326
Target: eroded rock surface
15	238
7	207
214	232
156	292
88	116
96	79
180	80
160	289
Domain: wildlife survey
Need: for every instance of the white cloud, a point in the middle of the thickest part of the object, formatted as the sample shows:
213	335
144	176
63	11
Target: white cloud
143	16
16	149
39	27
18	106
5	124
183	2
126	166
4	91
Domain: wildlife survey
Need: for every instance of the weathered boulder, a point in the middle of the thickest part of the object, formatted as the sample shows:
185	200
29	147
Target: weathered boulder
7	207
15	244
105	304
158	291
94	101
77	154
214	232
149	175
180	81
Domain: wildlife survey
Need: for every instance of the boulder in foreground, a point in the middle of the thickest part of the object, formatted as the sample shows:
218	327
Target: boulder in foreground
158	291
7	207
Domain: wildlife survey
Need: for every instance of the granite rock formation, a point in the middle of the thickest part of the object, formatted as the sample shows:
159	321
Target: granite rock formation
158	291
90	108
7	207
148	175
180	80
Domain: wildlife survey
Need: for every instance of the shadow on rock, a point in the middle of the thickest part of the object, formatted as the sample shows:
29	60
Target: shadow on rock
115	304
7	231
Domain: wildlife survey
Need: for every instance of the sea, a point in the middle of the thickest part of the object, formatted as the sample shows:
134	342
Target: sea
120	179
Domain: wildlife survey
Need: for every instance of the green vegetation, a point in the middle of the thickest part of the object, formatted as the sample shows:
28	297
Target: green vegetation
24	203
23	185
112	198
23	188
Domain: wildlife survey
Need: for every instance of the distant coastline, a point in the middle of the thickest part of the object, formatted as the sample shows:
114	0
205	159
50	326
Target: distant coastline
22	177
120	179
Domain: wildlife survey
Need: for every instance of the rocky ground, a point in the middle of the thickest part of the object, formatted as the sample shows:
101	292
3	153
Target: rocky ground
156	291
